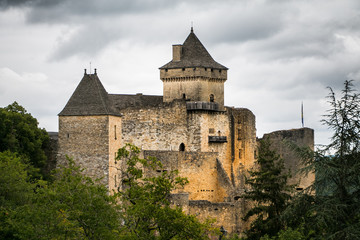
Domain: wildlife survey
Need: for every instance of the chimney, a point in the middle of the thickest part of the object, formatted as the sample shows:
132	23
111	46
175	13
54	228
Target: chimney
177	52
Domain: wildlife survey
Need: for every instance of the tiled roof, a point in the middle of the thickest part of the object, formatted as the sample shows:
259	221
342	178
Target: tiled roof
89	98
122	101
194	54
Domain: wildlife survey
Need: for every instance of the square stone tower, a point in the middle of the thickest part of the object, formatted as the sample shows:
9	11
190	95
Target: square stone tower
90	131
193	74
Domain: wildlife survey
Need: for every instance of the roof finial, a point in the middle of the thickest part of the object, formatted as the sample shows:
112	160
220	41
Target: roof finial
85	71
95	71
192	28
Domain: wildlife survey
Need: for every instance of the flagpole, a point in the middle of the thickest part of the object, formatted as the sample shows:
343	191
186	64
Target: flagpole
302	114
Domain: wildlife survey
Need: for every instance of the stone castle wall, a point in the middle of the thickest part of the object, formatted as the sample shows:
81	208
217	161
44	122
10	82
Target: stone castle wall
115	142
162	127
303	137
86	140
200	168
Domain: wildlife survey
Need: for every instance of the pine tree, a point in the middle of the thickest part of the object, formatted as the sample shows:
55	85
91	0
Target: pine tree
337	167
331	208
269	192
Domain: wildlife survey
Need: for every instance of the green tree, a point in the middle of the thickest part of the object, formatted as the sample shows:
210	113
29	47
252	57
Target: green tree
288	234
269	192
72	206
335	211
15	190
19	132
146	208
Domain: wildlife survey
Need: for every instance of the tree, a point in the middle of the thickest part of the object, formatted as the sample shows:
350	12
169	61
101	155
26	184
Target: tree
333	212
336	209
15	190
146	208
268	191
19	132
72	206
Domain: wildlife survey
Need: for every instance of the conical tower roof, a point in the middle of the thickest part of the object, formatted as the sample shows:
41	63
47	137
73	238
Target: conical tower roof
194	54
89	98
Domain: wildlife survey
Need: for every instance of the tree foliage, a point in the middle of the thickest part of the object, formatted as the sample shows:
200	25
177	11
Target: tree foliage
269	192
74	206
71	207
333	212
19	132
146	209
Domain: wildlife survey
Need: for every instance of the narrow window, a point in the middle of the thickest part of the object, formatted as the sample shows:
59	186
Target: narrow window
240	154
212	70
239	134
115	132
182	147
220	71
255	154
115	181
68	135
211	97
184	96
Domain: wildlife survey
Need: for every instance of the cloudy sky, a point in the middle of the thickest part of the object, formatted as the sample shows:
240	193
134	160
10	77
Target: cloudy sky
279	53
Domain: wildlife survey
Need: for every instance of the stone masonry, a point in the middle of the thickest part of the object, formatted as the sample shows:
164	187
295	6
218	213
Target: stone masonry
188	128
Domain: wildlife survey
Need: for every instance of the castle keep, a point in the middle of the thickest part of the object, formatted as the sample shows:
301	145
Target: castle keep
188	128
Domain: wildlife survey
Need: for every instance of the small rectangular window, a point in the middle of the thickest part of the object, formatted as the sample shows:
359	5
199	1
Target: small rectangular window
239	134
115	132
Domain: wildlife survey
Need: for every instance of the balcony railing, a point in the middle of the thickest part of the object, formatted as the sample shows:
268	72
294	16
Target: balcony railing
208	106
217	139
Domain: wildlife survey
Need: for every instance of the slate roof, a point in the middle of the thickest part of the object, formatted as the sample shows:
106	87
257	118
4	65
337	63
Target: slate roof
89	98
194	54
122	101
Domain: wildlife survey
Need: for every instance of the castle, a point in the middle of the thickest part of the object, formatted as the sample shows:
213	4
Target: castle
188	128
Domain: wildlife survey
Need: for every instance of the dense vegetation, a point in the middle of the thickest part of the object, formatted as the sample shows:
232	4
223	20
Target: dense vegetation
73	206
269	192
330	207
19	132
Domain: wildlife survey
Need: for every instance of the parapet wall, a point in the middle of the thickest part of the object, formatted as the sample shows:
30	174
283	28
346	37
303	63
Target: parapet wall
302	137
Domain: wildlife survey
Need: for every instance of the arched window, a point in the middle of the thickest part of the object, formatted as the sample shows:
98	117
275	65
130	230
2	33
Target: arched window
211	97
182	147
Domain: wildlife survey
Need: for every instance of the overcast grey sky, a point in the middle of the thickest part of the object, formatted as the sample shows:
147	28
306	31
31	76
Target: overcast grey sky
279	53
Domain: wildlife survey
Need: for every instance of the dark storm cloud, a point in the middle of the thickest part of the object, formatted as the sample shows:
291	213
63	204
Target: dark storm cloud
4	4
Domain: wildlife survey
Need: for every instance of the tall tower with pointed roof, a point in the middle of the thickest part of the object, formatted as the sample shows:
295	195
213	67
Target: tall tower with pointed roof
89	130
193	74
